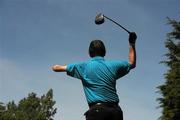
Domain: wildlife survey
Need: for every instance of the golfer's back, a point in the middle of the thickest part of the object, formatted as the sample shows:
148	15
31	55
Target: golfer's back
99	78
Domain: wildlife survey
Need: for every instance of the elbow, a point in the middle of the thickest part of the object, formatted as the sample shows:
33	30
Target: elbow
133	66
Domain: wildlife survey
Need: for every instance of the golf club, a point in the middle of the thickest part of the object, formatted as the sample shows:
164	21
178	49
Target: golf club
100	19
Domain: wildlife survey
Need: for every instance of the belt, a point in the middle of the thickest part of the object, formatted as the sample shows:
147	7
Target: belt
105	104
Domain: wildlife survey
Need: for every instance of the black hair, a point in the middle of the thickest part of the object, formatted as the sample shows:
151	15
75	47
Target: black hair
97	48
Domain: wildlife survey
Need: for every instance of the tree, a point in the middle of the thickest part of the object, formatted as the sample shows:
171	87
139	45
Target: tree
170	90
30	108
2	108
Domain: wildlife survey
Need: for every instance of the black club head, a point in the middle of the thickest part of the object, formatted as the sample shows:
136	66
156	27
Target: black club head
99	19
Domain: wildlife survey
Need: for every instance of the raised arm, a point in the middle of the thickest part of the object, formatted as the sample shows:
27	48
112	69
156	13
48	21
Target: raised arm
132	49
59	68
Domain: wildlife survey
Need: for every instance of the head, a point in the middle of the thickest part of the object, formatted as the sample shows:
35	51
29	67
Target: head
97	48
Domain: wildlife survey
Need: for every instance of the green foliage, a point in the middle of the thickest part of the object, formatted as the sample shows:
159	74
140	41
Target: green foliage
30	108
2	108
170	90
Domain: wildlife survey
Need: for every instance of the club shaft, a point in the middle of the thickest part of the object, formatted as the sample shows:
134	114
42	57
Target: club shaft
117	24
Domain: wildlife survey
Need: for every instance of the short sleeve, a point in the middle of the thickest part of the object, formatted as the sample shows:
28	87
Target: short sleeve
75	70
121	68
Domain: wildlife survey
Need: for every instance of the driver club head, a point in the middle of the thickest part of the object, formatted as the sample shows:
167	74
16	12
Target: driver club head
99	19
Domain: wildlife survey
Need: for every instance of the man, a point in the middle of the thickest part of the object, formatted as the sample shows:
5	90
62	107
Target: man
99	77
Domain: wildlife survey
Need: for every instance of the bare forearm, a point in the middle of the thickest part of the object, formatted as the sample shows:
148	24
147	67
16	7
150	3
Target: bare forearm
59	68
132	55
132	49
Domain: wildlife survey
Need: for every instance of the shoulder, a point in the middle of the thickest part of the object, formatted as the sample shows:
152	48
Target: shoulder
116	62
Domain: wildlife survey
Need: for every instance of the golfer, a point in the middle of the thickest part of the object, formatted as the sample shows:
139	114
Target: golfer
98	77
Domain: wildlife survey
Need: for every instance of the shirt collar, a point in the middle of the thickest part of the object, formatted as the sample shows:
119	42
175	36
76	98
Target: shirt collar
98	58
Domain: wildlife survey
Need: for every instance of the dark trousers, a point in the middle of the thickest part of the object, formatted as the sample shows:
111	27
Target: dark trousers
104	113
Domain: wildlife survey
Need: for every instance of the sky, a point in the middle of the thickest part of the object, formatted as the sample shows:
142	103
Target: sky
36	34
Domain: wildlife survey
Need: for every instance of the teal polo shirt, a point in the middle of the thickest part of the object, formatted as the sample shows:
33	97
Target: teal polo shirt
99	77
